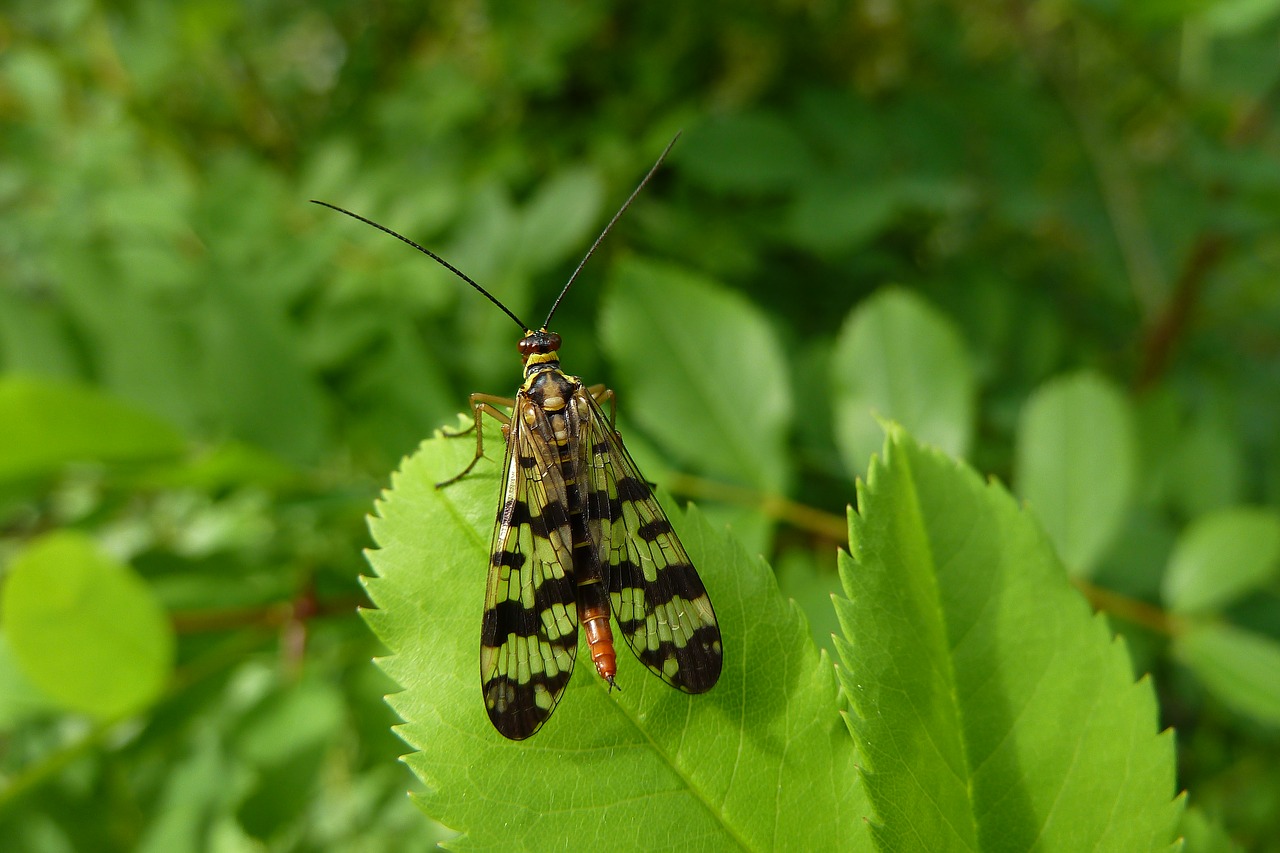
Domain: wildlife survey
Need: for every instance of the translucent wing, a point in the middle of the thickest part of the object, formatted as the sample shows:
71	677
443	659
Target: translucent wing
529	635
659	602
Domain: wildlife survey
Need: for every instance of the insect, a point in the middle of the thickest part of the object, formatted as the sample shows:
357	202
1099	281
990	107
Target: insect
579	536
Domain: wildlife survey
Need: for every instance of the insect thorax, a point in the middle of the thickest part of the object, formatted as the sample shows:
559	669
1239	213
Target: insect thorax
547	386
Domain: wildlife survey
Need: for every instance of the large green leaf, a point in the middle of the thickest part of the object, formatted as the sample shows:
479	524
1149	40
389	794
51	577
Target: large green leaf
1076	464
760	760
992	711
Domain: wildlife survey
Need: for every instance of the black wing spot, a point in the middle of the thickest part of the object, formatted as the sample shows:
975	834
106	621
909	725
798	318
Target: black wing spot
513	560
632	489
676	580
507	618
654	529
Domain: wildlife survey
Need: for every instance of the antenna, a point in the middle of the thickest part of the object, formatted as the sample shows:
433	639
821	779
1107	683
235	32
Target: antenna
487	295
524	327
615	218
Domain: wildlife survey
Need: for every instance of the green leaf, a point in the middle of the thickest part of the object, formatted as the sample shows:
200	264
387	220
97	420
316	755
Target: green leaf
33	338
1075	462
898	357
833	216
1240	668
19	698
744	152
1204	835
811	586
44	425
560	218
84	628
1206	471
1220	557
1233	18
704	370
763	756
257	385
992	710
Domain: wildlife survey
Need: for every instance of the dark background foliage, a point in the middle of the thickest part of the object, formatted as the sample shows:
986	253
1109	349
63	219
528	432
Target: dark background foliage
211	379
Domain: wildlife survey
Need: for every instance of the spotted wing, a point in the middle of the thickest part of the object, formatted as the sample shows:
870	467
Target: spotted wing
529	635
659	602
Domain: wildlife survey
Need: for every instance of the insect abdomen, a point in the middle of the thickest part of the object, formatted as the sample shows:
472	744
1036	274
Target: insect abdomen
551	389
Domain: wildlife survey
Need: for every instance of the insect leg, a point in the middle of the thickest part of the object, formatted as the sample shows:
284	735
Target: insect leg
481	405
600	393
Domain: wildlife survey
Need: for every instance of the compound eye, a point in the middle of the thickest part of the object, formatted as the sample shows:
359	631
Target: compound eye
527	347
553	342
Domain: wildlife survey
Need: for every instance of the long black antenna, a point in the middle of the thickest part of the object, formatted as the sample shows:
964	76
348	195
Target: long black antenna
615	218
524	327
487	295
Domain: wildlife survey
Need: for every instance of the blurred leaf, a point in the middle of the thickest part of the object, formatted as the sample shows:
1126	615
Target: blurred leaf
85	629
19	698
762	756
33	338
223	466
897	357
46	424
1135	566
253	379
1220	557
1204	835
1239	17
840	214
297	720
743	152
704	372
976	674
1157	431
1240	668
1075	465
802	579
560	217
285	741
199	786
1206	471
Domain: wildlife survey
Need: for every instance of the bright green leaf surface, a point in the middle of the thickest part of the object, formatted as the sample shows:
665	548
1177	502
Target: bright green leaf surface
1220	557
85	629
706	374
760	762
992	710
1075	462
1241	668
898	357
44	425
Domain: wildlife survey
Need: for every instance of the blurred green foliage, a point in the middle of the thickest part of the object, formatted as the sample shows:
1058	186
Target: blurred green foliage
1041	235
